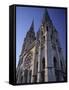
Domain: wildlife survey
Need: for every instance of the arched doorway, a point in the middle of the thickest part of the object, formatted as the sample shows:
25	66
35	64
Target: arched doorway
25	75
30	75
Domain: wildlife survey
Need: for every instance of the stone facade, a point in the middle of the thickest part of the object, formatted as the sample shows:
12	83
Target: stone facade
41	58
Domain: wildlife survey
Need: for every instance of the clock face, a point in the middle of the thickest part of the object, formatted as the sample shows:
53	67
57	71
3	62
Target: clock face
27	61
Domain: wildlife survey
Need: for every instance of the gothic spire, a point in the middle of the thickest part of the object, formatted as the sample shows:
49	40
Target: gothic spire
32	26
30	37
31	30
46	17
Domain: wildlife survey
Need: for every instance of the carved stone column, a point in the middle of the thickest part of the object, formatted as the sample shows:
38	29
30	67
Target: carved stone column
32	78
28	77
39	65
46	69
39	60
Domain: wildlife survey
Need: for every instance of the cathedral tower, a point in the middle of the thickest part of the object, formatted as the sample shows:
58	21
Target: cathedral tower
41	58
50	62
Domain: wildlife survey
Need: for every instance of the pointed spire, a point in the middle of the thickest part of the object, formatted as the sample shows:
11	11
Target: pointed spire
46	14
31	30
32	26
33	22
46	17
30	37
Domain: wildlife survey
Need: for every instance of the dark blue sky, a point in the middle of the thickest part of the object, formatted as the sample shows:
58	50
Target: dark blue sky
24	17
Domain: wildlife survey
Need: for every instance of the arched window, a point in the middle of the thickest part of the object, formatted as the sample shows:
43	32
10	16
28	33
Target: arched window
43	70
55	63
36	71
56	70
43	63
35	76
43	39
61	65
47	28
37	67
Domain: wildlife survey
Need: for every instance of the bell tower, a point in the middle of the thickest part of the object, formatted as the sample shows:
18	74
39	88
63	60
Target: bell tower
49	61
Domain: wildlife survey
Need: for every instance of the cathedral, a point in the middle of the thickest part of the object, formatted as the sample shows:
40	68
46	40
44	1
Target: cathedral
41	59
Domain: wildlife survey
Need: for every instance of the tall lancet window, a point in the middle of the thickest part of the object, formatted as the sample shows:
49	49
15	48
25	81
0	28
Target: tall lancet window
35	76
36	70
43	70
47	28
56	69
